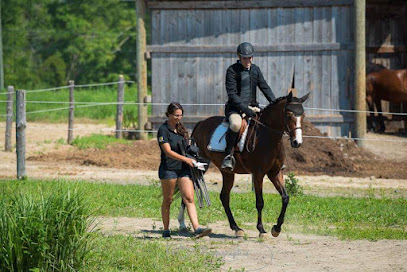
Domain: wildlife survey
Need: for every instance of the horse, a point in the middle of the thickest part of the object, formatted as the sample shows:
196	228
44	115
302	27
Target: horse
384	84
284	115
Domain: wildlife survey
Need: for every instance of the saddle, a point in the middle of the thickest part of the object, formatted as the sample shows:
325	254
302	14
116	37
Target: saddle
217	141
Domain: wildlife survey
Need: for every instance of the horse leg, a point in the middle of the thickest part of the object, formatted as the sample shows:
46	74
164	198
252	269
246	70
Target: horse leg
382	127
228	180
278	182
371	125
181	217
258	189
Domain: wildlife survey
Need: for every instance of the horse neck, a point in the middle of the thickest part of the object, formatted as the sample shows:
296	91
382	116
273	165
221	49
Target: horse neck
274	116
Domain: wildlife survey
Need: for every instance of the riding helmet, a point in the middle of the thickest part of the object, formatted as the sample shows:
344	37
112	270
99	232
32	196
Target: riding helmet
245	49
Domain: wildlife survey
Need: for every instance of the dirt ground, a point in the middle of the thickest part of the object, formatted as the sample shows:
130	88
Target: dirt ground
288	252
323	167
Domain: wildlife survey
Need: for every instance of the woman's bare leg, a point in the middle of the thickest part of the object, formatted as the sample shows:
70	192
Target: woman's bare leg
167	186
186	188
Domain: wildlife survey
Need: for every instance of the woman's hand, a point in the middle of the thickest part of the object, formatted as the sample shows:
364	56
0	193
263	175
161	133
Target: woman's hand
189	161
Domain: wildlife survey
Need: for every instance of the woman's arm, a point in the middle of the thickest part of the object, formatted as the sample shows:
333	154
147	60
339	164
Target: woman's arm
174	155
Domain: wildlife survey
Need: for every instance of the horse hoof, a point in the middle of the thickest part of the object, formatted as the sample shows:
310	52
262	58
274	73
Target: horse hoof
239	233
274	232
263	235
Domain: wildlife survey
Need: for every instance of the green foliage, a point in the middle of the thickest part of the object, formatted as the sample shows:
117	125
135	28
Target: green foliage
98	141
346	217
48	42
292	186
127	253
43	231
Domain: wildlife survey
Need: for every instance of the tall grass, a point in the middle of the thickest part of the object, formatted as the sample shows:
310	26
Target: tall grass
45	231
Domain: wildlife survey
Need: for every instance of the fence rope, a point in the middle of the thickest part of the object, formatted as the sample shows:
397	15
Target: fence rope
155	131
92	104
75	86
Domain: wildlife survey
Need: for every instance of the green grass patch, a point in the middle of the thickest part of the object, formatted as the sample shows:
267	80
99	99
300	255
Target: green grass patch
127	253
98	141
344	217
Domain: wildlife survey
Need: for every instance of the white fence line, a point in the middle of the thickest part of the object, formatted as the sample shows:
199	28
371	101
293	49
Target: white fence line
155	131
76	86
92	104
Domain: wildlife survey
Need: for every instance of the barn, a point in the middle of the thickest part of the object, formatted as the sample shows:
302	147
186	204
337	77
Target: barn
308	45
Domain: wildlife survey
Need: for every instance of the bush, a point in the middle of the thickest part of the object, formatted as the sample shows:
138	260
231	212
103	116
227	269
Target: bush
48	233
292	186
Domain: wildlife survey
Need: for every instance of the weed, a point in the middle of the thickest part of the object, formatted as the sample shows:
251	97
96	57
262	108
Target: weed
292	186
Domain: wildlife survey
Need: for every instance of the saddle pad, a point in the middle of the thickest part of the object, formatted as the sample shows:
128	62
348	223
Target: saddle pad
218	139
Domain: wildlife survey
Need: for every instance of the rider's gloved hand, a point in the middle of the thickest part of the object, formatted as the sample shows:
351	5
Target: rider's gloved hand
249	113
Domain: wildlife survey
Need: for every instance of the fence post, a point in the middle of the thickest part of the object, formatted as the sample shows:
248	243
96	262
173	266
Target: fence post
119	111
20	134
71	111
141	69
360	70
9	117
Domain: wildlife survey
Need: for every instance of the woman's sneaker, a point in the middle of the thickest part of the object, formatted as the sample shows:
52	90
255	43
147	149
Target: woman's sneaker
200	232
166	234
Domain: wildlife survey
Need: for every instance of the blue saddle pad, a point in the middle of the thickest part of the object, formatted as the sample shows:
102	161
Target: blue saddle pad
218	139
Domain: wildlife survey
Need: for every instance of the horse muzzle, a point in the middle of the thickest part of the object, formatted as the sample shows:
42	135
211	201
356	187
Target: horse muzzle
295	144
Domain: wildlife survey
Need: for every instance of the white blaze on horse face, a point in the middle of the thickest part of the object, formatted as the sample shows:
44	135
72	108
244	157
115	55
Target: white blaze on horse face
298	132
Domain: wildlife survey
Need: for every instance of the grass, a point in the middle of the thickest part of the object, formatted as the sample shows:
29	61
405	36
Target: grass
44	231
101	113
126	253
98	141
344	217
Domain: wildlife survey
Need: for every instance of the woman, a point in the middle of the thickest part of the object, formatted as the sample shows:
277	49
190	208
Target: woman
174	169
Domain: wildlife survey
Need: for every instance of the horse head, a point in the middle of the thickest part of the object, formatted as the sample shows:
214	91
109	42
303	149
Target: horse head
286	114
294	116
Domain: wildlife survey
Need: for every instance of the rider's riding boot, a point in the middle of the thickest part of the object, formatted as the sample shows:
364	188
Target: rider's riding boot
229	160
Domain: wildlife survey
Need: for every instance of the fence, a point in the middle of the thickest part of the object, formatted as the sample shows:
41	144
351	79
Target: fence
21	116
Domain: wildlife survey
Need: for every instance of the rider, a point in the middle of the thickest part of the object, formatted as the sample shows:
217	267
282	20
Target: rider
241	81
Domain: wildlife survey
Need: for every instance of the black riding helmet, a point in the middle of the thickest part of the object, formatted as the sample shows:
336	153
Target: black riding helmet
245	49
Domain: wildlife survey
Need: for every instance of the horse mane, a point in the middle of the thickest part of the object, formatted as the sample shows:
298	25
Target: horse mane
372	67
276	101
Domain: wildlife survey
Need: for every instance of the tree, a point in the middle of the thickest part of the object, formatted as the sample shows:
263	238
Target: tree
48	42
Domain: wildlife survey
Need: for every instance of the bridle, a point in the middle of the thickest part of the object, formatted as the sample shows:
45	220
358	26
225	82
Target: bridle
258	122
289	132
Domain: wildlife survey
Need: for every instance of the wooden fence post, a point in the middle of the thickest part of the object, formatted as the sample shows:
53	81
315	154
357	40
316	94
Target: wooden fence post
9	117
360	70
119	111
20	133
71	111
141	45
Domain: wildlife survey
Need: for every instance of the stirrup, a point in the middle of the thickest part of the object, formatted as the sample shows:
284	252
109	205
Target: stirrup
229	162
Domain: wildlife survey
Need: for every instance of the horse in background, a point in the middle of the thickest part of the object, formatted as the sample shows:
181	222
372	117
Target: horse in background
383	84
284	115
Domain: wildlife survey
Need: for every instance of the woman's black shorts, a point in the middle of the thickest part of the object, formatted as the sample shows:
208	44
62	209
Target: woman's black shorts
173	174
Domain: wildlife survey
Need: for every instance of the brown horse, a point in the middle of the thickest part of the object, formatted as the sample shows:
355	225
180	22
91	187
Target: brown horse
384	84
283	115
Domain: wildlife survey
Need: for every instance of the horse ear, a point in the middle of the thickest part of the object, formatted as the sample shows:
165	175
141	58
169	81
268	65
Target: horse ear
305	97
289	96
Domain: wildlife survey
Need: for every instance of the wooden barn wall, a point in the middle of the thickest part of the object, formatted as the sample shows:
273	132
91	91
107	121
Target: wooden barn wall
386	39
293	36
